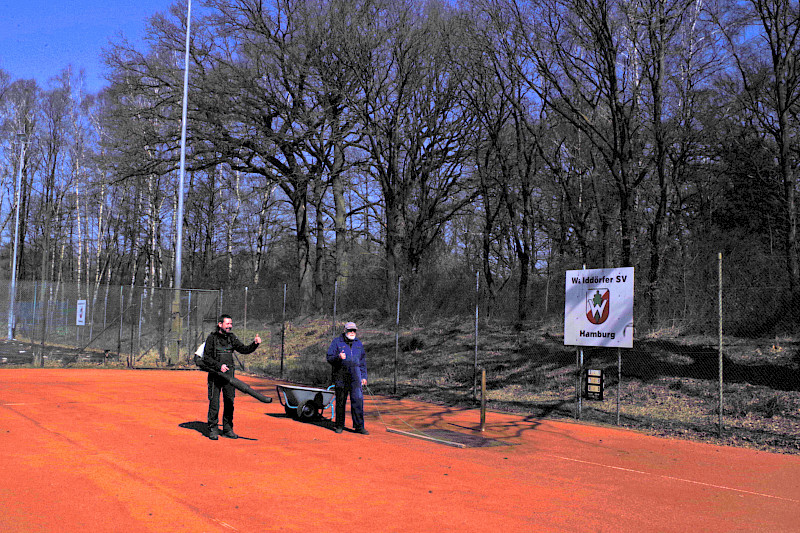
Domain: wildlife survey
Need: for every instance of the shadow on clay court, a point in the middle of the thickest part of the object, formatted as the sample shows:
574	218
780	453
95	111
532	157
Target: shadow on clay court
319	422
202	428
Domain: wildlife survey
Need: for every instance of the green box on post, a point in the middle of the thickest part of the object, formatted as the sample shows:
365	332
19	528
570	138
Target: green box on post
593	384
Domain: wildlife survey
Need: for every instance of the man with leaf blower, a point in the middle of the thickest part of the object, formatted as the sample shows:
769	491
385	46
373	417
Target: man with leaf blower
218	361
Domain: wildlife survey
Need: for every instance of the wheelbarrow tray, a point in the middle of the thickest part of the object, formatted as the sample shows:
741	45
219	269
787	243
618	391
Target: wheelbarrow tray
304	403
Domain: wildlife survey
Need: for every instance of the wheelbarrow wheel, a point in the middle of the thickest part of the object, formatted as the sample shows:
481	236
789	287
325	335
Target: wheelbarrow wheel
308	410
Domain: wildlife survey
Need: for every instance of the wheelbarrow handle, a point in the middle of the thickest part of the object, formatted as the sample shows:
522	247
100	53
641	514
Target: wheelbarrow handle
281	395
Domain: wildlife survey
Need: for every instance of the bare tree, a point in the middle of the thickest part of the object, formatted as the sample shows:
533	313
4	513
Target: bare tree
508	154
580	50
768	62
415	128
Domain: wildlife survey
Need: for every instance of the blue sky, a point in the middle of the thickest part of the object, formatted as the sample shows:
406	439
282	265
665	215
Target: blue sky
39	38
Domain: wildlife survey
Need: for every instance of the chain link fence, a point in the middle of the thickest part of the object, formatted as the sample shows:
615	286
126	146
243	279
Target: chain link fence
65	323
433	340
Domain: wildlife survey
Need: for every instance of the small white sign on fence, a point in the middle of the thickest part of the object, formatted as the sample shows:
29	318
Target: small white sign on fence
80	316
598	307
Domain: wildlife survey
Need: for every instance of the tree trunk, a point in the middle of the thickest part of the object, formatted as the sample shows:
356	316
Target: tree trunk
305	268
340	216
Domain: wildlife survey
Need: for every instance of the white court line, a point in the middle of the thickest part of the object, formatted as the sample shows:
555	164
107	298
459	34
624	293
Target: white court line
675	478
224	524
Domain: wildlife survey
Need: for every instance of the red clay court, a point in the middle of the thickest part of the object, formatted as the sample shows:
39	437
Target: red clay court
124	450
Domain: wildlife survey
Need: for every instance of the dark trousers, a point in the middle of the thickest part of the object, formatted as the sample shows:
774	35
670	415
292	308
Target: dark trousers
215	385
353	389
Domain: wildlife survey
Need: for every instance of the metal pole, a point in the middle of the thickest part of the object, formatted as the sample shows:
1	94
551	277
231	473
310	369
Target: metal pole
139	337
335	298
121	312
619	379
578	378
578	382
397	333
179	214
283	328
129	359
475	366
39	361
91	318
483	399
12	292
719	407
189	336
35	315
105	308
245	308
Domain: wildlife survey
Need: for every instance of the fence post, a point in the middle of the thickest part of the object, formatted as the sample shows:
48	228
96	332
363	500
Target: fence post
132	292
619	379
188	329
139	336
91	294
397	333
719	299
121	310
35	310
483	399
475	366
283	328
39	358
335	298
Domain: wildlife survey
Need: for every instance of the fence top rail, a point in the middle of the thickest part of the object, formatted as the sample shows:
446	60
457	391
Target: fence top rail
115	285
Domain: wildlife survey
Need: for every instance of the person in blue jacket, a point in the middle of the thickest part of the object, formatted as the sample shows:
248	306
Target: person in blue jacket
349	368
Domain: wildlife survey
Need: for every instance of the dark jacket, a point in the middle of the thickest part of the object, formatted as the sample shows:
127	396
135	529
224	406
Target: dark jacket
354	367
220	347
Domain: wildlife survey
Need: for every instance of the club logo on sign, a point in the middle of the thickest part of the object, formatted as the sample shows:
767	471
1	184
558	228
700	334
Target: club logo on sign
597	305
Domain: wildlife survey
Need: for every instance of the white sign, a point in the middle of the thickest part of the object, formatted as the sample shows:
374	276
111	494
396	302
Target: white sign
80	316
598	307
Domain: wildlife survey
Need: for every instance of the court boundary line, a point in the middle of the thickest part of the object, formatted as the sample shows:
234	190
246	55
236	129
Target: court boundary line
673	478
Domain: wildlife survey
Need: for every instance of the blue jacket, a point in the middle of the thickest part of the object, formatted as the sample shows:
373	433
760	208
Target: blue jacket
353	367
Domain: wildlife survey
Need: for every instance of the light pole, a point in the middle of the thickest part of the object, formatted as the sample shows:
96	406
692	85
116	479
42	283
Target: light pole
179	215
177	324
12	292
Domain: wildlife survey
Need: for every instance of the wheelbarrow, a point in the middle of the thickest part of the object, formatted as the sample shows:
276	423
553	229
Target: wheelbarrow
305	403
